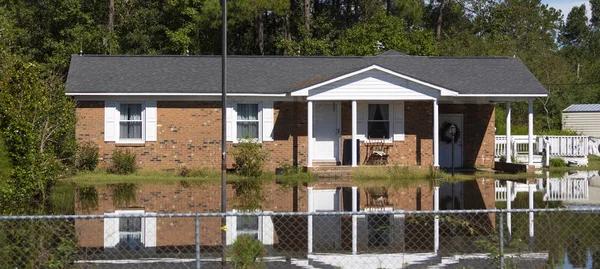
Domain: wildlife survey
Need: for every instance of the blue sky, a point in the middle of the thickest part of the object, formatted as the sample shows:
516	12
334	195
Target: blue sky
566	5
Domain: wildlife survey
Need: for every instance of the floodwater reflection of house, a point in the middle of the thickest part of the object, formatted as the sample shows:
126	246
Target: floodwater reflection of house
383	232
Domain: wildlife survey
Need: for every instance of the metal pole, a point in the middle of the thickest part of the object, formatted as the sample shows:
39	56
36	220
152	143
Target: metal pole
354	220
501	240
224	133
531	227
310	220
197	242
452	156
436	220
509	187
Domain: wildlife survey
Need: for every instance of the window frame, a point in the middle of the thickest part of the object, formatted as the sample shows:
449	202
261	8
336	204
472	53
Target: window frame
390	121
259	119
118	138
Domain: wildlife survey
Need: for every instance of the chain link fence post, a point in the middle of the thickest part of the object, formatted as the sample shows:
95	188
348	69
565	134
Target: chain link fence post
197	242
501	239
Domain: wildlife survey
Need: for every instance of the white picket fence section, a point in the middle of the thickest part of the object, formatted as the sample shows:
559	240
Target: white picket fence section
567	146
554	189
564	189
559	146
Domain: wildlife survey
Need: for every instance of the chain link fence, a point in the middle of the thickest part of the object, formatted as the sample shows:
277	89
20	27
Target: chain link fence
519	238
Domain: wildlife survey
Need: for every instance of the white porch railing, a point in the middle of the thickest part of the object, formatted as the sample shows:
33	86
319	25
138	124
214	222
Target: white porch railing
560	146
559	189
567	146
555	189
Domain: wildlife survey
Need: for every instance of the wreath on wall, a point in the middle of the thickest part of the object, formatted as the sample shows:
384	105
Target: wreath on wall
445	132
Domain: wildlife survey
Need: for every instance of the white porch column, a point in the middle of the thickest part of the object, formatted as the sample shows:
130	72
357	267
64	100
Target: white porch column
531	226
310	134
530	133
354	149
508	135
436	134
354	222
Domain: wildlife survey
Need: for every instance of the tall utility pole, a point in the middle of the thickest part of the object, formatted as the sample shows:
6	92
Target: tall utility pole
224	132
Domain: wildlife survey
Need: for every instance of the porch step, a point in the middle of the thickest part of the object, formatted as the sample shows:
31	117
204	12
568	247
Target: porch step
332	173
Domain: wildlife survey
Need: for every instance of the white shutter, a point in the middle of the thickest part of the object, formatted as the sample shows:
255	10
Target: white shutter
150	231
362	116
111	231
267	229
267	124
398	121
231	122
111	121
231	232
151	118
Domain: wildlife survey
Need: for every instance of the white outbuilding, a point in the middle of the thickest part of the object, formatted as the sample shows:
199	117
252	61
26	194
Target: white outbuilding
583	118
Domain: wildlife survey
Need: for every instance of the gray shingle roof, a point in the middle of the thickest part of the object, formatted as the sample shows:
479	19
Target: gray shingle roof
278	74
583	108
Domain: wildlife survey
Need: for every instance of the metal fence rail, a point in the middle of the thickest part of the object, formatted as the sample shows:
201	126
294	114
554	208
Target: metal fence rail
534	238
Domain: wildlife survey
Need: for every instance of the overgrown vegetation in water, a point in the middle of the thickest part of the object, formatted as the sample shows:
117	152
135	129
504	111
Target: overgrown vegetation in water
62	199
87	197
123	194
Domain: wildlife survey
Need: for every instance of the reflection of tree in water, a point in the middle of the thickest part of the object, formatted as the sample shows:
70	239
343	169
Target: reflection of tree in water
248	194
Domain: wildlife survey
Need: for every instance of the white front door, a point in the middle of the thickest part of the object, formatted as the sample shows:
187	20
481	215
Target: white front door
325	132
446	146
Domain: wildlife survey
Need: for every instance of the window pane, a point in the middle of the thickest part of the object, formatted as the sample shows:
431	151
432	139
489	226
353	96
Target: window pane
247	112
130	130
131	111
130	225
379	112
249	223
247	129
379	129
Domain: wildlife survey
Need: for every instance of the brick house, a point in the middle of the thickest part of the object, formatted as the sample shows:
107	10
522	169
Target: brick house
305	110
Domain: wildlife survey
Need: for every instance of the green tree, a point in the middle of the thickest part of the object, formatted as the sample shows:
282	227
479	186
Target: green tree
37	123
575	30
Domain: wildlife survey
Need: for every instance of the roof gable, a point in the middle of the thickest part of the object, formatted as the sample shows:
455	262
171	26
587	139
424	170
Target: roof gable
373	82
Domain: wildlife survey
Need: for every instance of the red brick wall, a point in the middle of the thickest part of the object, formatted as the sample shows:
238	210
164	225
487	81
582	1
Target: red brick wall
189	134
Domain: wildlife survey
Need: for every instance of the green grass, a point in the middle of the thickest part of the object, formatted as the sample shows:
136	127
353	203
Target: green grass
593	164
172	177
407	176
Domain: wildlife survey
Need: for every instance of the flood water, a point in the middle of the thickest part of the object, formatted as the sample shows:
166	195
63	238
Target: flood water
563	240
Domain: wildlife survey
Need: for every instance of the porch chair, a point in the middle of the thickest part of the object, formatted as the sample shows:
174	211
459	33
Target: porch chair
378	153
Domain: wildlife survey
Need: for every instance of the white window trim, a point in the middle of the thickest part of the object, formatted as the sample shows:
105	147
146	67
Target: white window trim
390	138
265	230
118	138
111	228
260	123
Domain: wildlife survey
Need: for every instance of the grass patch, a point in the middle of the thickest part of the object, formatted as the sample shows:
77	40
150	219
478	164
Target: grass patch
407	176
593	164
172	177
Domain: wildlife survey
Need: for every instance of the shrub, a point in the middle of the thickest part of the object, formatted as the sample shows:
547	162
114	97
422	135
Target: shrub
248	158
247	252
123	162
557	162
87	157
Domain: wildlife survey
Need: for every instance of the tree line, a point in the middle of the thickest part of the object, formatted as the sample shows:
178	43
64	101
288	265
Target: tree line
37	38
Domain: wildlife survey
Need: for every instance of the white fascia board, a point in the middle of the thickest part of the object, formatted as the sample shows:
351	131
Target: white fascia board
176	94
504	95
443	91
